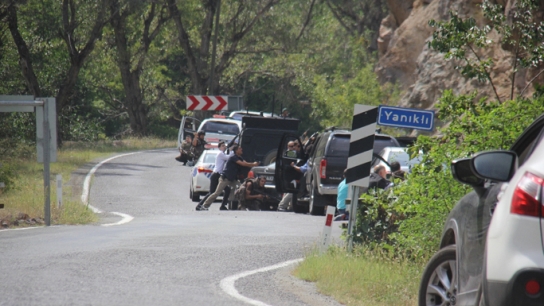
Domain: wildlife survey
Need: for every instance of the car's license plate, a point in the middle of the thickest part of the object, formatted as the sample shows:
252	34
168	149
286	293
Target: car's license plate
270	178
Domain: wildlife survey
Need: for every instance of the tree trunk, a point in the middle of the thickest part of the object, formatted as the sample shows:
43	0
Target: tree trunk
24	54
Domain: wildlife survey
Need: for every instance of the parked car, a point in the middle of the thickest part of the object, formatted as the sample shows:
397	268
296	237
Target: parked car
398	154
200	174
492	246
326	164
217	129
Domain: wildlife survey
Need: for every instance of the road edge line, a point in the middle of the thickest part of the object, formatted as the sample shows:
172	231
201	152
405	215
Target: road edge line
227	284
87	187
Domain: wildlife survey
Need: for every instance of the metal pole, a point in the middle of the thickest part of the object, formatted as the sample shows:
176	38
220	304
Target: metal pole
352	215
46	165
214	50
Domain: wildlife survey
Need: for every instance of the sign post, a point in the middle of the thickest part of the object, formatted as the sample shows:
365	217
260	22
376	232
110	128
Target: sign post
361	148
45	141
326	235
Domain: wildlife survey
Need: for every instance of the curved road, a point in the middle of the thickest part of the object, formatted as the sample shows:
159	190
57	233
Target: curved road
168	254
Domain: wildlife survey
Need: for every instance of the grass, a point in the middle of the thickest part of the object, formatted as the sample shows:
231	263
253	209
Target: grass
25	197
362	278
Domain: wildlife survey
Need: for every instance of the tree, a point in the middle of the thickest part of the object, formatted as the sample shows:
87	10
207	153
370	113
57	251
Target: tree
77	23
240	21
132	53
463	39
360	18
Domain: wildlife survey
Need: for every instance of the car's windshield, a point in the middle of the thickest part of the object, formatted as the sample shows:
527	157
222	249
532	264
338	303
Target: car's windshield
209	158
220	128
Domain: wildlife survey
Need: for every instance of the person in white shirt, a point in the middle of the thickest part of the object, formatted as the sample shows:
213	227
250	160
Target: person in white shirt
220	162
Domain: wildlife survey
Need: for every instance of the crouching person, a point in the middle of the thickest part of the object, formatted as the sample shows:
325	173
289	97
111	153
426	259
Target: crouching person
247	199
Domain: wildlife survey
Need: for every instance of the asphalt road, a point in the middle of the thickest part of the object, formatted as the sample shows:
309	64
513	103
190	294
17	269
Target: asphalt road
152	248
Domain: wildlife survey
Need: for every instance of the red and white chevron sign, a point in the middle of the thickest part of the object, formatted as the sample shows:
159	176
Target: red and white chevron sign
211	103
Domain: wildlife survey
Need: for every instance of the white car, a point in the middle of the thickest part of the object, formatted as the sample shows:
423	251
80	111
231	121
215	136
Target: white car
217	129
398	154
492	247
515	239
200	174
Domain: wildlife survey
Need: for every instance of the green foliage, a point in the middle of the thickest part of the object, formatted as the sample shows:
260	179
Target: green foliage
419	205
336	95
465	40
79	127
7	176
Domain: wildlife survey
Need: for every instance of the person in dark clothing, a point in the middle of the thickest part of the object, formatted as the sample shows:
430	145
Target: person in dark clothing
198	144
229	176
395	171
249	199
185	151
378	178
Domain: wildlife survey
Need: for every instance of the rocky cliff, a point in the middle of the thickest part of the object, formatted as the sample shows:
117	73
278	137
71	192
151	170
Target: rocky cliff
424	74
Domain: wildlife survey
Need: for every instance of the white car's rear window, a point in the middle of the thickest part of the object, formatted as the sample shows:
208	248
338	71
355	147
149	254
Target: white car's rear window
220	128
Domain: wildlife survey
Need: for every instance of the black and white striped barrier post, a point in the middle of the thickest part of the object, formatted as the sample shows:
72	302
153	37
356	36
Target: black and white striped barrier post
361	147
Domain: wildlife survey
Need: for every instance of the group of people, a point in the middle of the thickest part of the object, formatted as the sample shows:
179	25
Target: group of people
251	193
378	180
191	148
225	178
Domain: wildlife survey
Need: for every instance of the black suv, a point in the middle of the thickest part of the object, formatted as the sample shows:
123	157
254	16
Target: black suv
326	164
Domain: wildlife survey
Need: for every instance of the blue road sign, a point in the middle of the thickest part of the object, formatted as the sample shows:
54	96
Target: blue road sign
411	118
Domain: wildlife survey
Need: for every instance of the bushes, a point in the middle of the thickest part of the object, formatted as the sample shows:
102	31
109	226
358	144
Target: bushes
410	216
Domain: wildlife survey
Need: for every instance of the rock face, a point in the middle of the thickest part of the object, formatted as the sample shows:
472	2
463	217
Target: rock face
423	74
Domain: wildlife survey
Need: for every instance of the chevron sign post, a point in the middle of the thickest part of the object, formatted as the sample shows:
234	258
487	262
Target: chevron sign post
361	148
207	103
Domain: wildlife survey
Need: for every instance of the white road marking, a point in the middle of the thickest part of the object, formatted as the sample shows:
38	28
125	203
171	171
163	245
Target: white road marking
126	219
87	186
227	284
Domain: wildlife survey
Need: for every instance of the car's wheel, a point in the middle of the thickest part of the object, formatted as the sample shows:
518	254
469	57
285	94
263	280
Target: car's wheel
269	158
300	208
439	282
317	201
195	196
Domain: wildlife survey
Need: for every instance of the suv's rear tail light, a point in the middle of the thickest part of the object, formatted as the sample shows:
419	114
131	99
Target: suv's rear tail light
532	287
527	196
323	169
204	170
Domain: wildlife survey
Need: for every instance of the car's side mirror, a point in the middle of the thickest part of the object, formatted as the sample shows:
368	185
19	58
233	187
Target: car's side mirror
462	172
495	165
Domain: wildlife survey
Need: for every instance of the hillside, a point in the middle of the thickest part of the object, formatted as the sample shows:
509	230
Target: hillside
422	73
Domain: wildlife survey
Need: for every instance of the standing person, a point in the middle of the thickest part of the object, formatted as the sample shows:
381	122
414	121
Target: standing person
378	178
396	172
220	161
291	151
198	144
342	195
286	202
229	175
284	113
